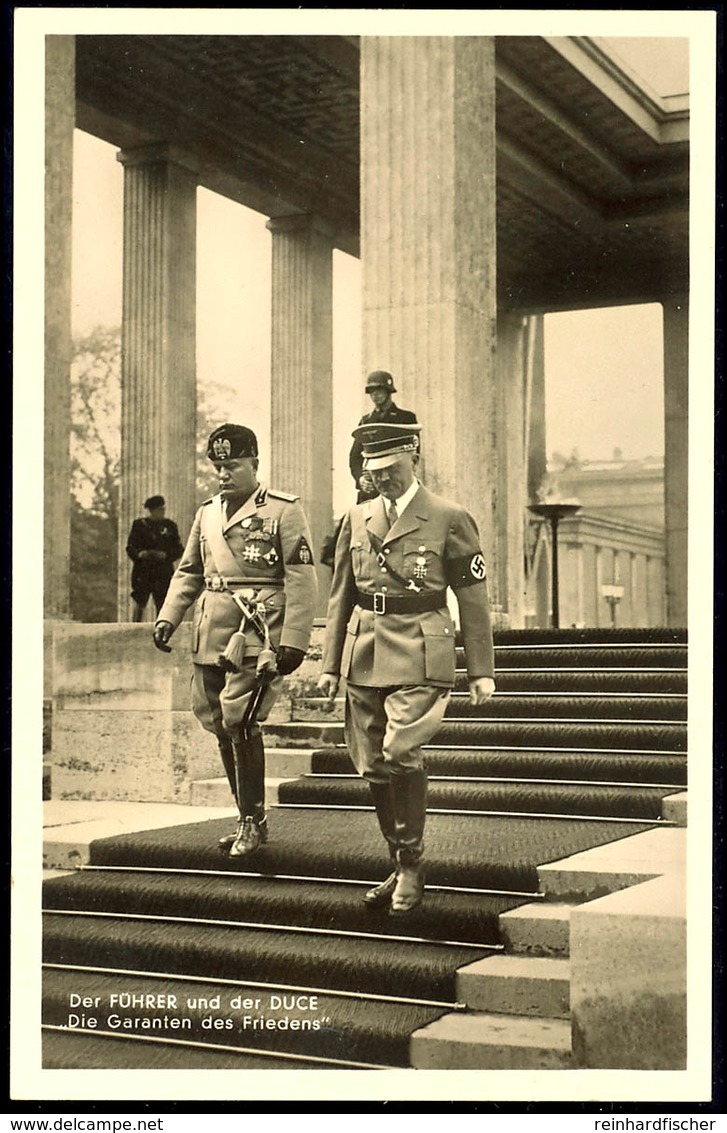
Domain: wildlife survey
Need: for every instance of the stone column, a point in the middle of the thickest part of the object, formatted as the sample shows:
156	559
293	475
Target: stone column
535	403
676	456
158	371
511	390
428	252
580	585
301	459
60	115
601	606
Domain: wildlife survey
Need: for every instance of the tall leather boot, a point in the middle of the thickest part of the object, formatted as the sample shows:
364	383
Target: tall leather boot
409	798
381	792
227	755
250	777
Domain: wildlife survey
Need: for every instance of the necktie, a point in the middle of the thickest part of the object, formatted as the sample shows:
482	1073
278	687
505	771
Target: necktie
392	513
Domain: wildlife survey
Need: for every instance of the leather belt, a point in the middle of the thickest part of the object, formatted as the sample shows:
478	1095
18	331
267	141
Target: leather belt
222	582
382	603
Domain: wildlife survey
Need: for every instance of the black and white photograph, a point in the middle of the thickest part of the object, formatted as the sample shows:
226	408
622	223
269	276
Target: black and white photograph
362	726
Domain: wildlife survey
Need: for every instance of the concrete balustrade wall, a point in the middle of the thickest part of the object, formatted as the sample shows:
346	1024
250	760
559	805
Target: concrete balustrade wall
122	727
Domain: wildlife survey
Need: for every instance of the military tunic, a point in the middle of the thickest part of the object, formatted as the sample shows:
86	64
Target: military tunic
400	666
264	551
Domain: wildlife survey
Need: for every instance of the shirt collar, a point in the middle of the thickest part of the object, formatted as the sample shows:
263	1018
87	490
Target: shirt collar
403	501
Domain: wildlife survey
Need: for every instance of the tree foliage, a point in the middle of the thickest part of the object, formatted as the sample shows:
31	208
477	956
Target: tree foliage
95	456
95	452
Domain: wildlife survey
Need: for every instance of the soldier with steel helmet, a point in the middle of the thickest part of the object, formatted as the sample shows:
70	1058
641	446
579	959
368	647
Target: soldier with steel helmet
380	388
248	565
390	634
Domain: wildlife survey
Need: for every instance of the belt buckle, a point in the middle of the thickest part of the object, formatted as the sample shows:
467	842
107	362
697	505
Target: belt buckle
379	602
217	582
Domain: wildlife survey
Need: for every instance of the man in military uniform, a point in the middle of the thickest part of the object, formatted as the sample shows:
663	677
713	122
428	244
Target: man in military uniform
390	635
248	564
380	387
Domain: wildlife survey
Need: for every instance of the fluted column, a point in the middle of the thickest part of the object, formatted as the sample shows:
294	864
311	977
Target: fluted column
301	459
676	456
428	252
60	114
158	371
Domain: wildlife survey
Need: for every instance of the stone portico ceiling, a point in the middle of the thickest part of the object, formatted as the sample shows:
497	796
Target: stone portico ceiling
592	174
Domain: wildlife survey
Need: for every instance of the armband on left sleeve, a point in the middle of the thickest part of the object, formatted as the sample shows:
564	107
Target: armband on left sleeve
466	571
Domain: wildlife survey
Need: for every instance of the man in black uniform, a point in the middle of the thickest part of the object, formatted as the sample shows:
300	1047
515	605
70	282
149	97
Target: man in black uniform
380	387
153	546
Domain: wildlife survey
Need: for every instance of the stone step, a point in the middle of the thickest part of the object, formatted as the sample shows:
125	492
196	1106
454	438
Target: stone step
303	733
539	928
536	986
481	1041
613	866
317	709
674	808
70	826
216	792
281	764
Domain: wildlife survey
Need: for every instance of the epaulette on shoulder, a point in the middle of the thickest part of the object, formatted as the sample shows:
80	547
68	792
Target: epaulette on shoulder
278	495
205	502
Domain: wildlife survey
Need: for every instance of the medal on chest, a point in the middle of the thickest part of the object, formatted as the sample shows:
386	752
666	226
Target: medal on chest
420	567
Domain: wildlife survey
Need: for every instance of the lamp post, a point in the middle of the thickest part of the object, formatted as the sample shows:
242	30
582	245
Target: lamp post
613	593
553	512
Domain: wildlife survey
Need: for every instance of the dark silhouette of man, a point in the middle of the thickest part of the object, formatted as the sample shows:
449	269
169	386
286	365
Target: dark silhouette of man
153	546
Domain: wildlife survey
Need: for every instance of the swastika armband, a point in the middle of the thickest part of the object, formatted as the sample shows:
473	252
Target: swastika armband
301	555
466	571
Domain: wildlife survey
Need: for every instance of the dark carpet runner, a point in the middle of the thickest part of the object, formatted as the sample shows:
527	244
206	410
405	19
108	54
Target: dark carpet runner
345	1029
292	917
462	850
575	765
639	802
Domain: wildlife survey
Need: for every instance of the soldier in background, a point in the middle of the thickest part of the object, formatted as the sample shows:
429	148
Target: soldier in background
390	634
153	546
248	565
380	388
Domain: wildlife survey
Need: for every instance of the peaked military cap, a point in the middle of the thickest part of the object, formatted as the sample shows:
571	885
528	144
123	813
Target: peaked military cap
380	379
231	442
154	502
382	443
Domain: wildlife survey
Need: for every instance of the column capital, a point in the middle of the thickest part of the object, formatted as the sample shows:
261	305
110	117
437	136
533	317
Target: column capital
158	153
300	222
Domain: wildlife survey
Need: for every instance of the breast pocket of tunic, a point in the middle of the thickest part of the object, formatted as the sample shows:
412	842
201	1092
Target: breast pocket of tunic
439	647
349	642
422	562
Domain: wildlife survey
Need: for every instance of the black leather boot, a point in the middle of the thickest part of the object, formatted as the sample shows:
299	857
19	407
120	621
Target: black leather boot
250	777
227	755
381	894
409	798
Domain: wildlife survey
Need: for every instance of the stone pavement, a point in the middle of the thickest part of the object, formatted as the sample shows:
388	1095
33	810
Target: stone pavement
69	826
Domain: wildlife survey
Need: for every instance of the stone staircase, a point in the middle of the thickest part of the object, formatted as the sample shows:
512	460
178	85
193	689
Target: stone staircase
584	743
